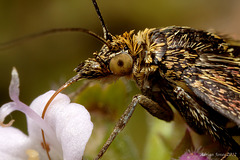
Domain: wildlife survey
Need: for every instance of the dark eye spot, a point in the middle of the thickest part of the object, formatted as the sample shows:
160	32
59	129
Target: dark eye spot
120	63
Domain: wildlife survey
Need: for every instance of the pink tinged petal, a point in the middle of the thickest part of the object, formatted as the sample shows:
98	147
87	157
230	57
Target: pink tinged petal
193	156
14	94
14	86
5	110
18	105
70	121
14	143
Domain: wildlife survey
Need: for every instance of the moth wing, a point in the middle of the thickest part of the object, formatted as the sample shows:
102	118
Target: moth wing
218	87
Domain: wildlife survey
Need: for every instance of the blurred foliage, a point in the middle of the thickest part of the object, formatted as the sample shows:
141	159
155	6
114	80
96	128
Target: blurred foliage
47	62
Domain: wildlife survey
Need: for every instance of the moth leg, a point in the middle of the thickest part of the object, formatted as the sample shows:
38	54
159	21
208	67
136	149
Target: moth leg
162	111
119	126
151	106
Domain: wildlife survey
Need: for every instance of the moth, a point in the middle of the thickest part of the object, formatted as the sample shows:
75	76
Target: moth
196	71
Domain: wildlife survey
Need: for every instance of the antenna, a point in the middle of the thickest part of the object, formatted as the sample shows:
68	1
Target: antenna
107	35
11	43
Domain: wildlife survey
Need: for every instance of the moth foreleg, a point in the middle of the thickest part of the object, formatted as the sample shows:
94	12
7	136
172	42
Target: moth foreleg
151	106
119	126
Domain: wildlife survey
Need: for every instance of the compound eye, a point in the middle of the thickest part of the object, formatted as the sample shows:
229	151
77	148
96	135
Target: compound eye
121	64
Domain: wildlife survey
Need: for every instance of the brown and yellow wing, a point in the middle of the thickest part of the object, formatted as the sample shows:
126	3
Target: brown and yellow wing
217	83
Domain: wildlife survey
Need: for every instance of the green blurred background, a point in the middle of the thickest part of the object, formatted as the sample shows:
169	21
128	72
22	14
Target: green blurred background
47	62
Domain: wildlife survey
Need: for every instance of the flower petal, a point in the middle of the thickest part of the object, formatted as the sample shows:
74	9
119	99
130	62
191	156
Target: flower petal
67	126
70	121
38	122
18	105
5	110
14	86
193	156
14	143
74	129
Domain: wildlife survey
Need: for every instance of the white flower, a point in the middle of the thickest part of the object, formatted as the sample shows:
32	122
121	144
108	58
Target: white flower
67	127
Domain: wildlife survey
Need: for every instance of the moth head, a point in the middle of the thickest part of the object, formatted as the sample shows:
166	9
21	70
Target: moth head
107	61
